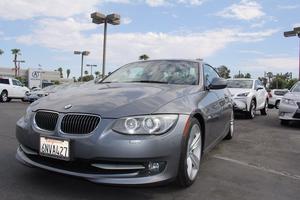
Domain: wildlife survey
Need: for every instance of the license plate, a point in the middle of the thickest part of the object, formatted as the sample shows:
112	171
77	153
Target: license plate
54	148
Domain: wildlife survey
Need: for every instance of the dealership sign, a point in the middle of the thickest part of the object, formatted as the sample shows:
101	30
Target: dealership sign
34	78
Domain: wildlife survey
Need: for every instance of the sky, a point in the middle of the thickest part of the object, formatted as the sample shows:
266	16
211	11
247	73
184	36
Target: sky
245	35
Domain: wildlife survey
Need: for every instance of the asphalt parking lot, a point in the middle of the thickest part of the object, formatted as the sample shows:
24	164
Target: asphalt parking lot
261	162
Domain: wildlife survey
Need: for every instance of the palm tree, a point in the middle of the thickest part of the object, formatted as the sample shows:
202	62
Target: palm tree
1	52
16	52
68	73
60	72
97	73
144	57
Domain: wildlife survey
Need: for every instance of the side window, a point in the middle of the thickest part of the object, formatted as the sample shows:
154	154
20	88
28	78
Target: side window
209	74
16	82
4	81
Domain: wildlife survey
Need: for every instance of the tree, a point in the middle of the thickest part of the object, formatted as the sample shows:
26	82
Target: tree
144	57
68	73
97	73
247	75
224	72
1	52
86	72
60	72
16	52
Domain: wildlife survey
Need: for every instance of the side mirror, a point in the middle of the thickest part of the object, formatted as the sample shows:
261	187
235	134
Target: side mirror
259	88
218	83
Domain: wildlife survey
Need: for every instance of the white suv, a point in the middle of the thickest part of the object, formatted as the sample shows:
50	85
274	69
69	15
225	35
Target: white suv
275	97
249	95
11	89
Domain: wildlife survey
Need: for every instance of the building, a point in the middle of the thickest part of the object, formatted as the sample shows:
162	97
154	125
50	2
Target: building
35	77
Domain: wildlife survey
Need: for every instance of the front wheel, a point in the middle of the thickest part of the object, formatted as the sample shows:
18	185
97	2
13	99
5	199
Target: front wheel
251	112
190	155
4	97
265	109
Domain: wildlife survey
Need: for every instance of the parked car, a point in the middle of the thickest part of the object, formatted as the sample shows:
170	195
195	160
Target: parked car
147	122
275	97
289	108
11	89
249	95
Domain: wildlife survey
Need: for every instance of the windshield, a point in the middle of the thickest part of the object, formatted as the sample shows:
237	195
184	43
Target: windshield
240	84
167	72
296	87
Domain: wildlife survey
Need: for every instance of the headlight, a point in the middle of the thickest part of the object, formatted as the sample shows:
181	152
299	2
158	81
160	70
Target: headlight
28	114
243	94
288	101
148	124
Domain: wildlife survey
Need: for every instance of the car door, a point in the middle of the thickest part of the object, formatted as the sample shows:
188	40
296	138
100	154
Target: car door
215	109
17	89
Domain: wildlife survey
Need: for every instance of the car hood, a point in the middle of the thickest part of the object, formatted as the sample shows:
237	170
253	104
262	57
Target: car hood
293	95
114	100
235	91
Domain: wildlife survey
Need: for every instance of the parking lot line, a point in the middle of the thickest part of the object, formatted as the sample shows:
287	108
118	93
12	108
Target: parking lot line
262	168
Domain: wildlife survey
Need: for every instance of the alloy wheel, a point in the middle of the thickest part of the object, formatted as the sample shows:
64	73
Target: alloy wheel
194	152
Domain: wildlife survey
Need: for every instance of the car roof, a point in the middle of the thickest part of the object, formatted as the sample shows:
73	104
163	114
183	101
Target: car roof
187	60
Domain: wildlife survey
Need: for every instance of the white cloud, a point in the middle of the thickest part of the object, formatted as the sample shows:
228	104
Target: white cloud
192	2
156	3
244	10
126	20
68	35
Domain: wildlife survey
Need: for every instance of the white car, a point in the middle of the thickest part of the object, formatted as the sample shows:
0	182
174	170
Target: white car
249	96
275	97
11	89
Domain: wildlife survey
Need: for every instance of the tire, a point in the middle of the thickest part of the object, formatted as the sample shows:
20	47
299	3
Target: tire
277	104
265	109
4	96
190	155
251	112
230	133
8	99
285	122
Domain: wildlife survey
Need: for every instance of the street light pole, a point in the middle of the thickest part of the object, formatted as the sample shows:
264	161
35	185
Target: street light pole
89	65
82	53
295	32
99	18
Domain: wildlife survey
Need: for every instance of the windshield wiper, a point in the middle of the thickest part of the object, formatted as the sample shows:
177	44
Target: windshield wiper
148	81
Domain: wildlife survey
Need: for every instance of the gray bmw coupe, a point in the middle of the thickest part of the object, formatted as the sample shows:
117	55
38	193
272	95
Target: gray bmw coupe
147	122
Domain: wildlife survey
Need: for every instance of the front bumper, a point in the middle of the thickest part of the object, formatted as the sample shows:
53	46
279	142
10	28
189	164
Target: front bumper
289	112
240	104
106	146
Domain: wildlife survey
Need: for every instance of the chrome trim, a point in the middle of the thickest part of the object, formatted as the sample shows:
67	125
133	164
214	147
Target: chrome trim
118	166
34	124
74	134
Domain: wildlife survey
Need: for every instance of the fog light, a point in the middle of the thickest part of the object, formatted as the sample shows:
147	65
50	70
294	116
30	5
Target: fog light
154	167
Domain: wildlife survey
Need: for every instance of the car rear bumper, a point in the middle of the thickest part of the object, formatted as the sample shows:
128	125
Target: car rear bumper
111	148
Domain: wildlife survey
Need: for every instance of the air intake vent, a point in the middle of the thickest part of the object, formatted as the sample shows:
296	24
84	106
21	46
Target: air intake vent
46	120
79	123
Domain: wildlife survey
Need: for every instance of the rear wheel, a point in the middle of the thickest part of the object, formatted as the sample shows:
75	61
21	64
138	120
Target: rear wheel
190	155
251	112
4	96
265	109
229	135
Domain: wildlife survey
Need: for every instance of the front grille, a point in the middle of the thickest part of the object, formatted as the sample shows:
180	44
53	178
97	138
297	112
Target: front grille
79	124
46	120
297	115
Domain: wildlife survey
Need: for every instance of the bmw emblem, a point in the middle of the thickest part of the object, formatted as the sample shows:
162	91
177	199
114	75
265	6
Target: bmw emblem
68	106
